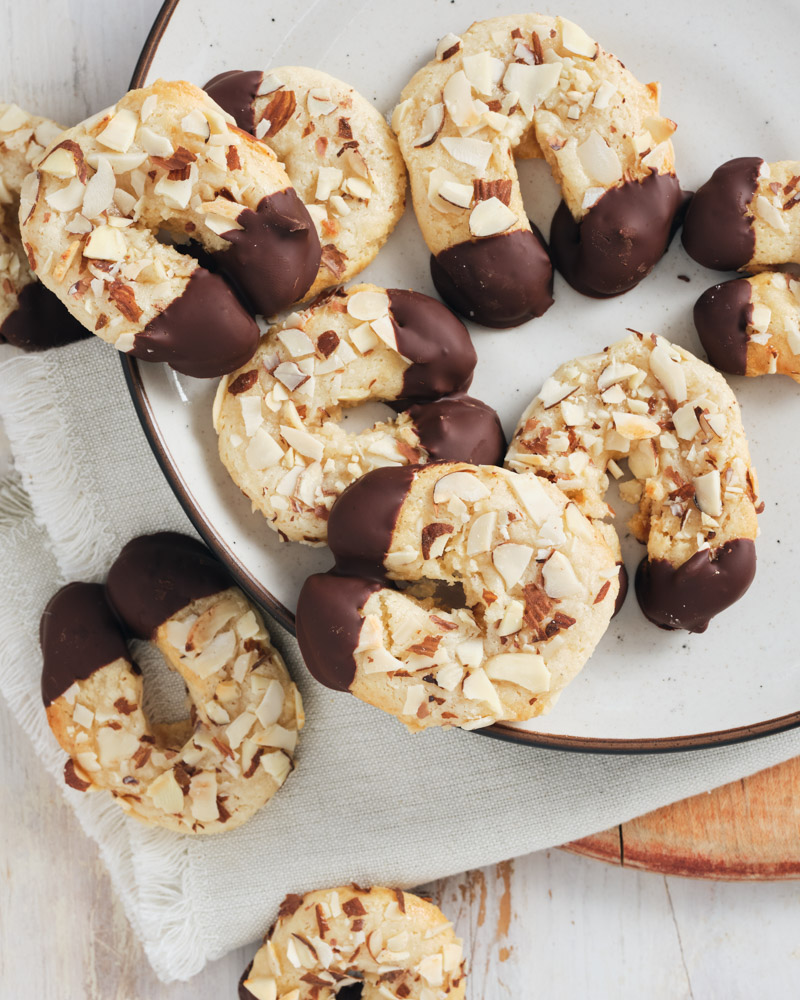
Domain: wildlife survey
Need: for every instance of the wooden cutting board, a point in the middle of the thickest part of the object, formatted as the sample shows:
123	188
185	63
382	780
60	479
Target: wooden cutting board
747	831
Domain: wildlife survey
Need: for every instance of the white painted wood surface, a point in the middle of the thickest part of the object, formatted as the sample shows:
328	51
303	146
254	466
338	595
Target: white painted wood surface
552	926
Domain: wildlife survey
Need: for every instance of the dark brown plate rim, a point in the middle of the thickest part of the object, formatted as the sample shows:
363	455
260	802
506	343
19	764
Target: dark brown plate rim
205	528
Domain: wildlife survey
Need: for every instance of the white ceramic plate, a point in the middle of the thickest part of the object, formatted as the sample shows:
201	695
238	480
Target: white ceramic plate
644	689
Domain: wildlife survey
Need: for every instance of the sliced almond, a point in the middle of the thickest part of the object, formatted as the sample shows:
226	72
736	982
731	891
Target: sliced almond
431	126
447	46
617	371
203	796
685	421
478	69
115	745
575	40
527	670
559	577
634	426
553	392
457	95
599	160
263	451
511	560
478	687
416	696
271	705
105	243
367	305
533	495
120	131
302	442
643	460
329	179
532	84
239	728
296	342
262	987
464	485
481	532
456	194
708	493
490	218
475	153
669	373
166	793
511	621
68	198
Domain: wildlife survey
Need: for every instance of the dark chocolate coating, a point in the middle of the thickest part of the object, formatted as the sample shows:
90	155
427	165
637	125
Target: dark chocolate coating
205	332
716	231
156	575
620	239
721	316
460	429
274	258
78	635
328	625
499	281
623	590
40	321
363	518
435	341
689	596
244	993
235	92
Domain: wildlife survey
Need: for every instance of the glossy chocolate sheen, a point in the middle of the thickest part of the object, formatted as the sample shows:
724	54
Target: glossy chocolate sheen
435	341
362	520
623	590
235	92
78	635
621	237
689	596
274	258
499	281
40	321
721	317
156	575
205	332
328	624
460	429
716	231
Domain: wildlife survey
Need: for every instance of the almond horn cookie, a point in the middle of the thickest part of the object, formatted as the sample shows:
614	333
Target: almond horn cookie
207	773
751	326
168	158
278	417
383	942
535	86
341	157
743	218
506	590
677	423
30	317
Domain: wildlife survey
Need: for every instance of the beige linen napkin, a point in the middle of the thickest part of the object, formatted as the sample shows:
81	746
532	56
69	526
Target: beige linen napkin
367	802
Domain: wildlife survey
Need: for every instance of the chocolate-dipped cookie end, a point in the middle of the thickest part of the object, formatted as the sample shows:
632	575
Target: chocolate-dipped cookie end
620	238
78	635
721	317
717	232
688	596
205	332
499	281
329	623
156	575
